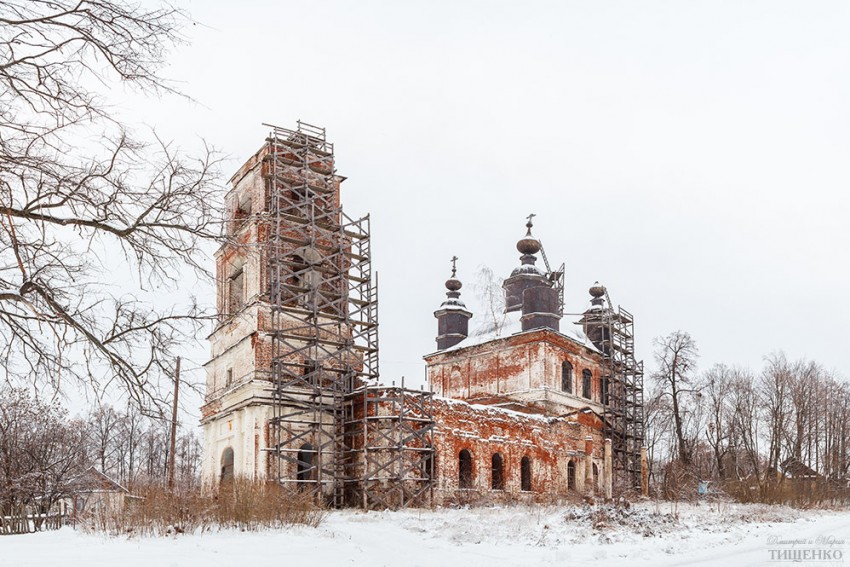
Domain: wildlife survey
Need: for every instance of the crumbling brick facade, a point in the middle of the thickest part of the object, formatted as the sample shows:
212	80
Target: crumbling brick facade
517	413
549	444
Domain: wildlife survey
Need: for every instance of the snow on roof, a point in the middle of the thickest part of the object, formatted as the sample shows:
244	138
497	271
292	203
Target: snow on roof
446	306
92	480
496	409
509	324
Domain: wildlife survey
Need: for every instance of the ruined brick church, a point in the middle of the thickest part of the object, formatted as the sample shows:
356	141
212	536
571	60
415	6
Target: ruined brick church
535	407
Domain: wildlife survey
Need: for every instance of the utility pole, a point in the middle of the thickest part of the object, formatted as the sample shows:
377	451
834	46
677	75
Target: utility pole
174	426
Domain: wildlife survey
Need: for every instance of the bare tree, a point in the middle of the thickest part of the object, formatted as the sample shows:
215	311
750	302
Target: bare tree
81	197
488	289
774	390
717	385
658	431
189	458
131	430
41	454
105	440
802	430
676	356
132	448
779	436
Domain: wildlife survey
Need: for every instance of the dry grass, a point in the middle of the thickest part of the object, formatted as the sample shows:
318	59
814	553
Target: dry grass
818	493
242	505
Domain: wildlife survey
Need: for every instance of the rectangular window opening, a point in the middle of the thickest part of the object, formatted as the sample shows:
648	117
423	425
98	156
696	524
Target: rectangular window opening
236	292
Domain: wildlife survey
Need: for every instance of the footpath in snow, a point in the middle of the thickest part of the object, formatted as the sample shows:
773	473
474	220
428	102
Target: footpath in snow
730	535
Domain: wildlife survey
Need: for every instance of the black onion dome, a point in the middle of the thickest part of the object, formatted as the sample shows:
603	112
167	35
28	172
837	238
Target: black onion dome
528	244
597	290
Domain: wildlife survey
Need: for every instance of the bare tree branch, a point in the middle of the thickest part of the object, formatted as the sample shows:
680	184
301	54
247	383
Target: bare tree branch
82	200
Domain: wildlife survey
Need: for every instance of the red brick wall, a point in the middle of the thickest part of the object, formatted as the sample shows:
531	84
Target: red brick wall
549	443
521	362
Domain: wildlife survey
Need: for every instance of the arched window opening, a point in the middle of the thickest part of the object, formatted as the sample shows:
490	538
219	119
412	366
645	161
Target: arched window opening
227	465
497	472
604	385
571	475
567	377
595	477
586	377
465	469
306	464
525	474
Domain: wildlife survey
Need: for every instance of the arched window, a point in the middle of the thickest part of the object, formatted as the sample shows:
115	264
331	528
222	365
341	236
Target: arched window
595	477
586	377
306	463
496	472
525	474
465	469
227	465
567	377
603	385
571	475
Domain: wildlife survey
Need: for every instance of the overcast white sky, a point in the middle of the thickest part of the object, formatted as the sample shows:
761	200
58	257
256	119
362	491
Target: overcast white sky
692	156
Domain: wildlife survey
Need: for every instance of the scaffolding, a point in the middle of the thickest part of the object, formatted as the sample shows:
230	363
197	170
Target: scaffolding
324	311
612	331
331	434
556	277
390	434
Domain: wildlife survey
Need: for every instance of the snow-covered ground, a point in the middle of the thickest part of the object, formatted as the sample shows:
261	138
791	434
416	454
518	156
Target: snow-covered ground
648	534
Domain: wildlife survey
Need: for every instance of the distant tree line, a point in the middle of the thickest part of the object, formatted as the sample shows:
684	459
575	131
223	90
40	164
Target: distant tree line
44	453
778	433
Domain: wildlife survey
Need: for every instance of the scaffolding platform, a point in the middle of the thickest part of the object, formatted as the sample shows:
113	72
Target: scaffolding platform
331	433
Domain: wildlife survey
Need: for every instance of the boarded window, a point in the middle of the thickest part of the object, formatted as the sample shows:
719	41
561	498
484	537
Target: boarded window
571	475
525	474
585	383
306	464
465	469
227	465
567	377
497	472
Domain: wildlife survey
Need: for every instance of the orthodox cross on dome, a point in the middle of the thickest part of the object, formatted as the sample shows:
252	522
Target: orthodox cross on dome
454	265
529	224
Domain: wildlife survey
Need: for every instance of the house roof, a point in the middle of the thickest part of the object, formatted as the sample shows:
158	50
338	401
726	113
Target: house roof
795	468
95	481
